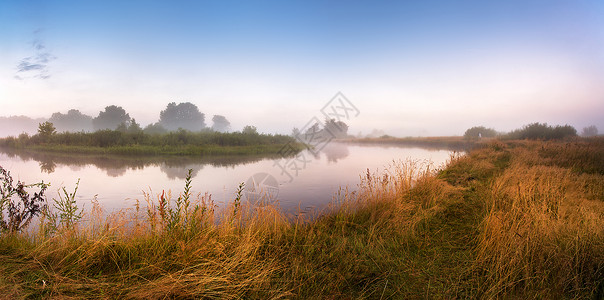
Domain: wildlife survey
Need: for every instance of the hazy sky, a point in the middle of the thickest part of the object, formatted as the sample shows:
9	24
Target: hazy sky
410	67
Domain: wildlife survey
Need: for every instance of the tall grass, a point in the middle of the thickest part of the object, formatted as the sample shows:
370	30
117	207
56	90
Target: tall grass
543	234
507	220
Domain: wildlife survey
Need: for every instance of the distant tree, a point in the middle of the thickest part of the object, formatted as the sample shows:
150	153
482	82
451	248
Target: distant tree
560	132
155	128
184	115
134	127
335	128
122	127
46	130
479	132
542	131
249	130
295	132
590	131
74	120
15	125
221	124
111	118
313	130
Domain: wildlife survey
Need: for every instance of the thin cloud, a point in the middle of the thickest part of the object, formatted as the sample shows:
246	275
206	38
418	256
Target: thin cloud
37	65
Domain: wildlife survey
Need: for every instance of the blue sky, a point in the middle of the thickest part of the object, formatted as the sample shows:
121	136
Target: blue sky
411	68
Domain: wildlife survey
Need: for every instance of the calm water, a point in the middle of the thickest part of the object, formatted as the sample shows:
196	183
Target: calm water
118	181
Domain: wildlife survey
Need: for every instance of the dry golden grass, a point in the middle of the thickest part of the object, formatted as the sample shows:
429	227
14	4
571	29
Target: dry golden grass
515	219
544	227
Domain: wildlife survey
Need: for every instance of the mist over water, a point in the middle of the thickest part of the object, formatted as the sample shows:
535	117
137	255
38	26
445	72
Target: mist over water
118	181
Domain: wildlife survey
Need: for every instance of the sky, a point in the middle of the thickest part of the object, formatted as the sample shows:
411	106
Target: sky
411	68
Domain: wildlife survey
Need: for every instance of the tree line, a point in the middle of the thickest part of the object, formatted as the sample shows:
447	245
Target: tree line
185	115
533	131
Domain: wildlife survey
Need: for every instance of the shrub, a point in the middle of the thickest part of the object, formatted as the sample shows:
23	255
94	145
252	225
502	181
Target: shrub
479	131
542	131
20	211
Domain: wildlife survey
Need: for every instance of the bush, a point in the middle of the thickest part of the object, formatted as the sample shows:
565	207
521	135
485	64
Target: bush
539	131
479	131
19	211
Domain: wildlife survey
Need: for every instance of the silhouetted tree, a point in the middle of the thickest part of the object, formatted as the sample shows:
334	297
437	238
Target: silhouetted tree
590	131
221	124
184	115
74	120
111	118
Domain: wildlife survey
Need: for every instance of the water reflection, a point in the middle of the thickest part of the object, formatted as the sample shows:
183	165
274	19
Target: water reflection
336	151
116	166
116	180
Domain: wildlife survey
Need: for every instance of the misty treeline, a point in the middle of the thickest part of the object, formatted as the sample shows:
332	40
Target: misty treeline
533	131
329	129
178	125
184	115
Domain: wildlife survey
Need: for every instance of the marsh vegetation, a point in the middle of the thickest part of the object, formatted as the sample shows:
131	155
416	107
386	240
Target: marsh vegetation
518	219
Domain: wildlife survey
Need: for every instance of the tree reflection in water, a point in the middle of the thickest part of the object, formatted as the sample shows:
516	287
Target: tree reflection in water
116	165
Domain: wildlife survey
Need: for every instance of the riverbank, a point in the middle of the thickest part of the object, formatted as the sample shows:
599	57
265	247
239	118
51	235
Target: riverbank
112	142
138	150
517	219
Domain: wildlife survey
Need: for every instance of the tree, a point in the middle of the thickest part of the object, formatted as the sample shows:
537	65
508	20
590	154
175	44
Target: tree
590	131
249	130
313	130
111	118
335	128
134	127
295	132
46	129
542	131
184	115
74	120
221	124
155	128
479	132
122	127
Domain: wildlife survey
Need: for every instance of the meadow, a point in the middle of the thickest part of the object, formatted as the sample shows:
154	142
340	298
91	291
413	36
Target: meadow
511	219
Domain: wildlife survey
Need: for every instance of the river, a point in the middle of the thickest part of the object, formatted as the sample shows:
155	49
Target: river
307	181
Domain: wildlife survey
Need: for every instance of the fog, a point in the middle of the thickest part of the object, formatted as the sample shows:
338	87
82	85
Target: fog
429	69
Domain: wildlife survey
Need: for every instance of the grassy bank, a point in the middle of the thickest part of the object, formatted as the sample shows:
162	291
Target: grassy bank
181	142
510	220
136	150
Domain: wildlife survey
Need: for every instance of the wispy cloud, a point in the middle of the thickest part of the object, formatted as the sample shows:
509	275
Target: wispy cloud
37	65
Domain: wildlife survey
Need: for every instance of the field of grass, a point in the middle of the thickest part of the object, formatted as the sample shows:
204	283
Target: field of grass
520	219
